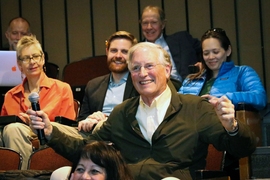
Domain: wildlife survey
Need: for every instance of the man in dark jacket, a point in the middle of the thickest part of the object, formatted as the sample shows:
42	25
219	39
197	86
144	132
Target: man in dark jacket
105	92
160	132
181	46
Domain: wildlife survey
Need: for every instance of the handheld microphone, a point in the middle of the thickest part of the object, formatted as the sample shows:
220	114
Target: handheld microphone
33	98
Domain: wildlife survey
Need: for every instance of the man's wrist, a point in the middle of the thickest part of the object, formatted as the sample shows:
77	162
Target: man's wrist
234	130
48	134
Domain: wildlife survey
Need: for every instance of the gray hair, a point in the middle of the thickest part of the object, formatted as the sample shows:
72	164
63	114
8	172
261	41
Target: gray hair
163	56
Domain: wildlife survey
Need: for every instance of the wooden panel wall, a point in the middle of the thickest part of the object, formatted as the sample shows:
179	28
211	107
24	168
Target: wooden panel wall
70	30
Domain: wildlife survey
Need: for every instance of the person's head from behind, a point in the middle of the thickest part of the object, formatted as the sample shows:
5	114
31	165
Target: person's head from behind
30	57
152	22
17	28
216	49
100	161
117	47
150	68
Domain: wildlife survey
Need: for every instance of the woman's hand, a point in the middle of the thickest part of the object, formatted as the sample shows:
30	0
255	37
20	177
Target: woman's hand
25	118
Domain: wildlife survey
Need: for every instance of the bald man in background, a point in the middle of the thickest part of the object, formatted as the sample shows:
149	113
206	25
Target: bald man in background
18	27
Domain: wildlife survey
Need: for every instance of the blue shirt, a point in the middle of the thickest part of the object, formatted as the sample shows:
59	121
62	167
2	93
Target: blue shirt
114	94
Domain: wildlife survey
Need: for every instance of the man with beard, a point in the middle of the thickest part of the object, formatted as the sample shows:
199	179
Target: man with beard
103	93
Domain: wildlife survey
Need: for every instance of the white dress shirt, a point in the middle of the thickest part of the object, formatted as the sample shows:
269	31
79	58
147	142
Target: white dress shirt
150	117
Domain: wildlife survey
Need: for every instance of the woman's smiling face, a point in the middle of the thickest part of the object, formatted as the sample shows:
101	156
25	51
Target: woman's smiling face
214	54
86	169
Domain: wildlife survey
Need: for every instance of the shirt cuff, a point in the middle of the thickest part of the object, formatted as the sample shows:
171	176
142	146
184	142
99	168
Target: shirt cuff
235	131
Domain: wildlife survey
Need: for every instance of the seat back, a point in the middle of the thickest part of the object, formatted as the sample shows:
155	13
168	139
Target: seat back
47	159
252	118
214	165
10	159
80	72
51	70
214	159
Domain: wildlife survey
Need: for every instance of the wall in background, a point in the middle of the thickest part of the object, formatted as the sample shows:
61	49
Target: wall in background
70	30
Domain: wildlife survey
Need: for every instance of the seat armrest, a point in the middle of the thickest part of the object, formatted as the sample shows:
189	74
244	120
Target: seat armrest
5	120
66	121
246	107
208	174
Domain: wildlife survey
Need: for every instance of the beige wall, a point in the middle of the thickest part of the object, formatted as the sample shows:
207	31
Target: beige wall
70	30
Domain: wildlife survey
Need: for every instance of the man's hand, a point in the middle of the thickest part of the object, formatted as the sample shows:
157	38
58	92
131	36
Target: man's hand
225	111
88	124
40	120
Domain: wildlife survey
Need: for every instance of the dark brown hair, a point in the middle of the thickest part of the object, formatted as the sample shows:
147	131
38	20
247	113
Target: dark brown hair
105	155
220	35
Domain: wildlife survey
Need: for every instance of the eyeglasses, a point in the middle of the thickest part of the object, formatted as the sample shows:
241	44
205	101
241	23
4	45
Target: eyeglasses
27	59
147	67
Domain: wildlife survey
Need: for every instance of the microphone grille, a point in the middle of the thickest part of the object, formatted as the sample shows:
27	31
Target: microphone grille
33	97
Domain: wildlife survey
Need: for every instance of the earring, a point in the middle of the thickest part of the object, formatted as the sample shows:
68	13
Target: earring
22	75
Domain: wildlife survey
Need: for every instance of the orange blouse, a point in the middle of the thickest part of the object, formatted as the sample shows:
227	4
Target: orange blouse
56	99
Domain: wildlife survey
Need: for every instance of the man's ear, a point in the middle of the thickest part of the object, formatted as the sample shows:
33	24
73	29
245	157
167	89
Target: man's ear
164	24
7	36
168	69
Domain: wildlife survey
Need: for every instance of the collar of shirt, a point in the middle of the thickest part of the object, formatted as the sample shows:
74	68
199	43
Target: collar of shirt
161	41
122	81
158	101
44	82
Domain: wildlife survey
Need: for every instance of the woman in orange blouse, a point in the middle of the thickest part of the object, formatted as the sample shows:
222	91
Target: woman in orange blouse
56	97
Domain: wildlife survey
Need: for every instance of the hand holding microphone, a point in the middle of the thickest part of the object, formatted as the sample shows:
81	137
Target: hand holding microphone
33	98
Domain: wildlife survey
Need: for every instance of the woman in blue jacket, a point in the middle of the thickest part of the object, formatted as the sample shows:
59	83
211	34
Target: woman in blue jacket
219	76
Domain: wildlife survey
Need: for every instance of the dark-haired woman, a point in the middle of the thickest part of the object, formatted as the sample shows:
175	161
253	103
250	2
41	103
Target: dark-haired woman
100	161
219	76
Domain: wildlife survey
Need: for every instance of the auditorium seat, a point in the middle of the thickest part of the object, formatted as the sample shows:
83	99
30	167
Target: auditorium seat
47	159
51	70
78	73
9	159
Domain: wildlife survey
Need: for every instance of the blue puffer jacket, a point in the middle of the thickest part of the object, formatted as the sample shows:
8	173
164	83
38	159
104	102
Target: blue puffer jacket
241	84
